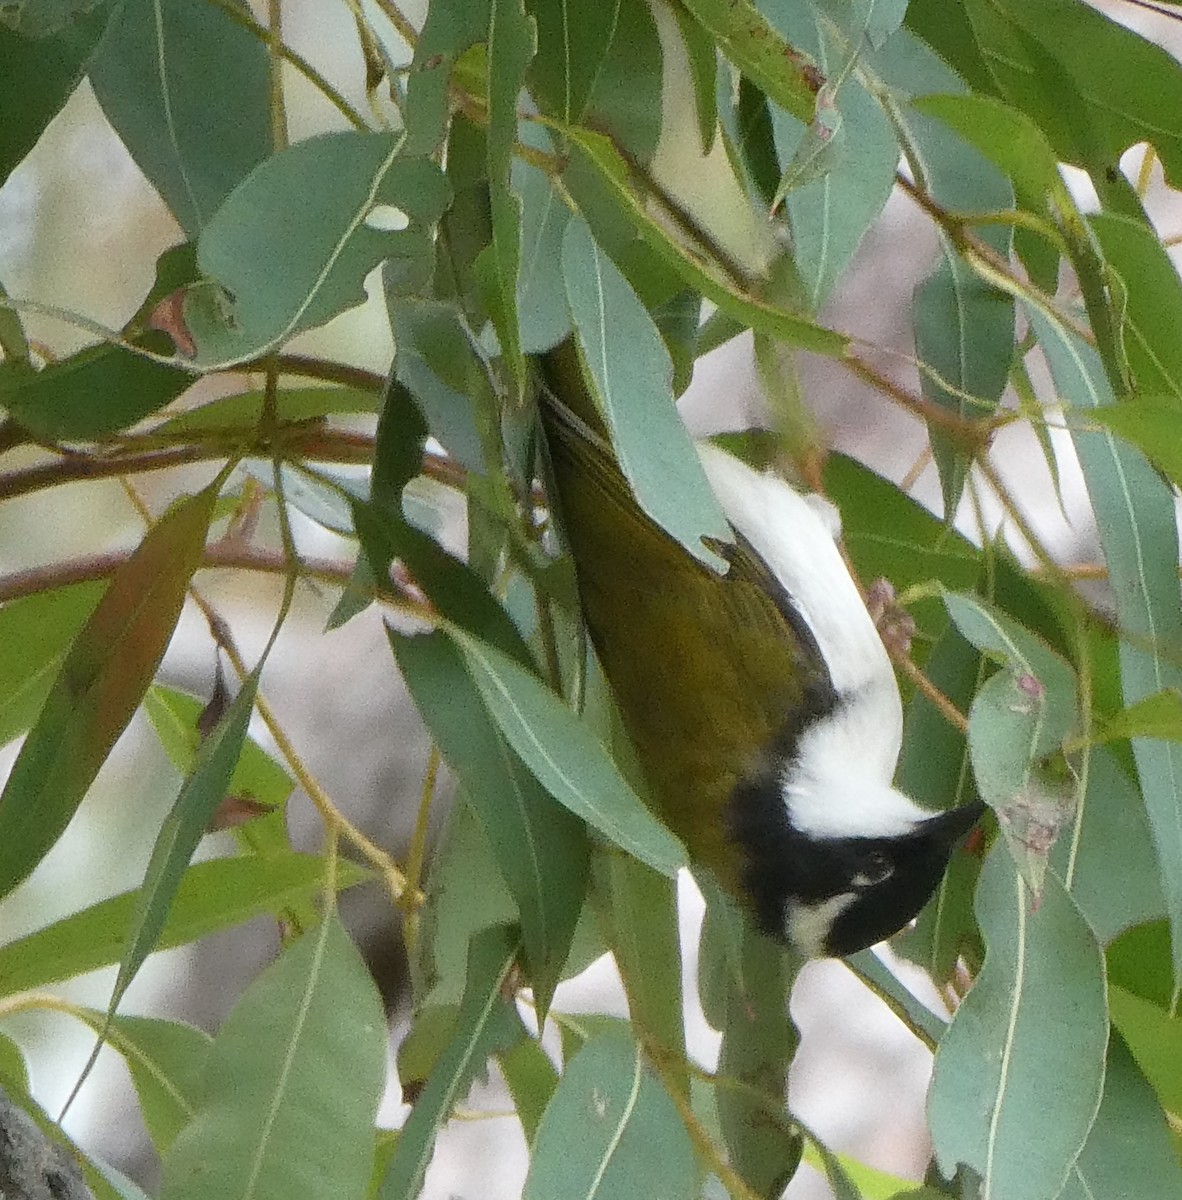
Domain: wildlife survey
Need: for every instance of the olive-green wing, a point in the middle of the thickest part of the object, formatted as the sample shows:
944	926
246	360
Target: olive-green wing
704	667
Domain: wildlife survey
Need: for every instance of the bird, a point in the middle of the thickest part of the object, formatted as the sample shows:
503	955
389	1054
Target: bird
760	699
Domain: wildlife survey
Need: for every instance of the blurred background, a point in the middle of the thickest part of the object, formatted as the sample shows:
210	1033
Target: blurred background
80	229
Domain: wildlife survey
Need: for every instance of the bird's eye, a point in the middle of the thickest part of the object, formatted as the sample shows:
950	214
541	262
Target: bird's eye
876	868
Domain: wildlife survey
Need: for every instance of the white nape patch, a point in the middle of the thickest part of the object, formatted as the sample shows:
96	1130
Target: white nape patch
796	542
848	805
793	534
808	925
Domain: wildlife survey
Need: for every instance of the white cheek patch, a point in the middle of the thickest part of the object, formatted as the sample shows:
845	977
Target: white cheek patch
808	925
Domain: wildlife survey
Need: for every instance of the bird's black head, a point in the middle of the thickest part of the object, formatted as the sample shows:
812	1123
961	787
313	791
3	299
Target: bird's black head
889	880
832	896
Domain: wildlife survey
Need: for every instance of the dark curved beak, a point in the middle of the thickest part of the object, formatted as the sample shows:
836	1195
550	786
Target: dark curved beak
947	828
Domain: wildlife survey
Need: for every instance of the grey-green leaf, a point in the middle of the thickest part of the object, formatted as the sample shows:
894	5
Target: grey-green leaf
989	1106
291	245
186	88
610	1130
1137	526
566	757
292	1085
632	377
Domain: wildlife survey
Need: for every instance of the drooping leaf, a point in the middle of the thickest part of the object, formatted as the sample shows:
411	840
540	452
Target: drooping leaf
484	1025
989	1106
566	757
291	245
44	61
35	633
1155	1039
639	917
610	1129
531	1079
1136	522
1107	861
292	1083
97	391
189	818
166	1060
749	41
540	848
512	40
853	148
573	41
759	1040
186	88
629	203
1149	424
212	896
631	375
541	298
100	685
1128	1151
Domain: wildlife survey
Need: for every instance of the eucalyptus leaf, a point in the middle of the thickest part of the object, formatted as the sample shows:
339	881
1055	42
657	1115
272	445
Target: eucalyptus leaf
566	757
989	1107
101	682
631	376
291	1087
35	634
1138	532
186	88
212	896
610	1129
291	245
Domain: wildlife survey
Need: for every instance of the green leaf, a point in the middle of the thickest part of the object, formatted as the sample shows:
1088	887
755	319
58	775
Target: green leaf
573	41
598	153
913	1012
610	1130
97	391
831	211
35	633
14	1074
631	376
1019	717
166	1060
1136	522
746	38
292	1084
183	829
541	298
540	848
213	895
512	41
274	266
989	1105
485	1024
531	1079
1108	862
174	716
759	1041
465	894
1126	89
638	913
1128	1152
569	761
44	61
1150	424
186	88
1152	301
101	683
702	56
1155	1039
243	412
1158	715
